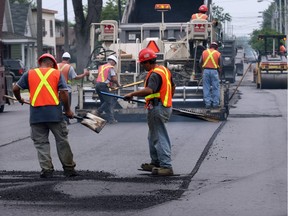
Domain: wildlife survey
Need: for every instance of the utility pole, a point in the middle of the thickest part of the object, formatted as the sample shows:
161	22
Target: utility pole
119	11
66	38
280	13
39	29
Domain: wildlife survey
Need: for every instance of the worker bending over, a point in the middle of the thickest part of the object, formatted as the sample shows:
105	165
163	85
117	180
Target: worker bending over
47	87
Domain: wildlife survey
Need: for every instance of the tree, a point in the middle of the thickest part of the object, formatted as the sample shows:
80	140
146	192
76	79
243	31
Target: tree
110	10
258	44
82	28
218	13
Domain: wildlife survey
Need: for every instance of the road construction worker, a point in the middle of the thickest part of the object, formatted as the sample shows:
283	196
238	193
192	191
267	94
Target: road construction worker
211	64
158	91
282	49
201	13
69	74
47	87
105	79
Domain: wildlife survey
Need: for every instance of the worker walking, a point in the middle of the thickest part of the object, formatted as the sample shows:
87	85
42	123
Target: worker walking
158	91
47	88
69	74
211	64
106	78
201	13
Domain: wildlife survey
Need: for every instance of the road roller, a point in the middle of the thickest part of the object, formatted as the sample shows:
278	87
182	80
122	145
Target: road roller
271	71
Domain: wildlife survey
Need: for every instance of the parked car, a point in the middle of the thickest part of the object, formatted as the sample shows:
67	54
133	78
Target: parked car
15	67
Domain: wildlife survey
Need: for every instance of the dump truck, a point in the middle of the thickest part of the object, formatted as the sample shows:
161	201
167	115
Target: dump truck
271	70
168	30
239	60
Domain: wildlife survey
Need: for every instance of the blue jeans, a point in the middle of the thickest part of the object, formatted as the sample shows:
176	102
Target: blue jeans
107	102
158	138
211	87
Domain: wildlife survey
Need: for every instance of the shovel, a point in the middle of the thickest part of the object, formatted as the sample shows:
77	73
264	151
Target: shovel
176	111
127	85
91	121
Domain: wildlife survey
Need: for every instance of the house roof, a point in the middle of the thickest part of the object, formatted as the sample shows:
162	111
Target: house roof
46	11
19	16
9	37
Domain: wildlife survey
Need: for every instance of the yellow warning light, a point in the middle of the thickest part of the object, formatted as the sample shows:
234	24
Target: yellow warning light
162	7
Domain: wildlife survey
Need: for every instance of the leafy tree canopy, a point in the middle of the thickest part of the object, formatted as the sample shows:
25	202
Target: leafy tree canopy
218	13
110	10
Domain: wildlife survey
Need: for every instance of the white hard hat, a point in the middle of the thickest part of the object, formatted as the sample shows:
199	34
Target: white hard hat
114	58
66	55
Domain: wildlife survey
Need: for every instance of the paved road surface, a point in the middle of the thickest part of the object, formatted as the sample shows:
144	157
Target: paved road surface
237	167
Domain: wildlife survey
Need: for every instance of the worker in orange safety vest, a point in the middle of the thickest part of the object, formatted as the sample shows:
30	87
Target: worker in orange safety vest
69	74
282	49
211	64
201	14
158	92
106	78
47	87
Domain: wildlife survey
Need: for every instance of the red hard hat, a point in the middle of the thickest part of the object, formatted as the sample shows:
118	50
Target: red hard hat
48	55
203	8
214	44
146	54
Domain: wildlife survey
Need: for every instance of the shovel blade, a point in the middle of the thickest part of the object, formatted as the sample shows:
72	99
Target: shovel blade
93	122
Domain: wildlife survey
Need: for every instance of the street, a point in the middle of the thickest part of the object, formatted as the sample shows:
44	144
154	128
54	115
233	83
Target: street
235	167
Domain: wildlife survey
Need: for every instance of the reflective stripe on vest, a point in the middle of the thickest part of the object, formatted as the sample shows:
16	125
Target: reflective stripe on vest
199	16
165	93
210	57
103	72
44	82
64	69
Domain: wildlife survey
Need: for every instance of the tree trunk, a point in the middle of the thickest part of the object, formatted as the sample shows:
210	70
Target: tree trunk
82	29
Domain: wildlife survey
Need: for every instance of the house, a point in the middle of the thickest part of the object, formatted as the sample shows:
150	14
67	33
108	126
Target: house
18	34
48	29
18	37
59	25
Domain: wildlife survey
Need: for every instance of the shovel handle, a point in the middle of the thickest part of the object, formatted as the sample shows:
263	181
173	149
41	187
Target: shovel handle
78	117
12	98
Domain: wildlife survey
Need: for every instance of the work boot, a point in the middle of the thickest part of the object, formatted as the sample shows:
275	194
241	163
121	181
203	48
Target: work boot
162	171
70	173
46	174
148	166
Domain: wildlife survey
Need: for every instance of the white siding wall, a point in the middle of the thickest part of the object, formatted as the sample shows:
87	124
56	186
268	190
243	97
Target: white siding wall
47	39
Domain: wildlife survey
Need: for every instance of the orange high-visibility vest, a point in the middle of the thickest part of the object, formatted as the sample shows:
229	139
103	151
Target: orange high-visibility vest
199	16
43	86
282	49
210	58
165	93
103	73
64	69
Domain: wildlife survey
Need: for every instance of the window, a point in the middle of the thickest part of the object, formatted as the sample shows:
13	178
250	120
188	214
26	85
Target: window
51	28
44	32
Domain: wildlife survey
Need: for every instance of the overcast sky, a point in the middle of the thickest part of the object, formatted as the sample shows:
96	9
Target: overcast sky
244	12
